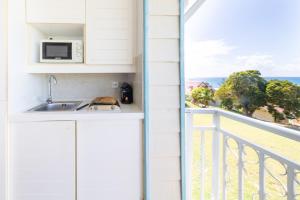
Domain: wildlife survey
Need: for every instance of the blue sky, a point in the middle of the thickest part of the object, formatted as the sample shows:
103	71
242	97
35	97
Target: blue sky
233	35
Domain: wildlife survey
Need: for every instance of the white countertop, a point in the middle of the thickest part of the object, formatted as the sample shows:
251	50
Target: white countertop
127	112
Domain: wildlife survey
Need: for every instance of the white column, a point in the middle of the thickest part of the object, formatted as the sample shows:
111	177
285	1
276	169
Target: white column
225	168
3	96
261	176
216	158
241	172
189	154
3	50
291	183
202	165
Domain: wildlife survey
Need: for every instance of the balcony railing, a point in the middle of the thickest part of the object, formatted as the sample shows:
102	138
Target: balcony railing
226	175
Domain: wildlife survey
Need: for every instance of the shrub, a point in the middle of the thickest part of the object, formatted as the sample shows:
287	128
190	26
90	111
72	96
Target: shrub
202	95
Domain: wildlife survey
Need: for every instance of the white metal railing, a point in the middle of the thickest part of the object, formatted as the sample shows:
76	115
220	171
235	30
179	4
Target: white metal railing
221	149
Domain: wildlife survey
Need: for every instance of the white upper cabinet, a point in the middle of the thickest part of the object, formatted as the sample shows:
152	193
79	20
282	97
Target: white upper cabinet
109	31
55	11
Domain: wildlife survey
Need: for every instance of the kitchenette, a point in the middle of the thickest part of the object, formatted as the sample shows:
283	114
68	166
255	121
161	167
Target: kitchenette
75	99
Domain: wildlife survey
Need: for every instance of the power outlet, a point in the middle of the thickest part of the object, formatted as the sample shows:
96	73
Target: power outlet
115	84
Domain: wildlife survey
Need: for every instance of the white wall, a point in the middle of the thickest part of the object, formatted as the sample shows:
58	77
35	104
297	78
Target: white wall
164	99
3	93
25	90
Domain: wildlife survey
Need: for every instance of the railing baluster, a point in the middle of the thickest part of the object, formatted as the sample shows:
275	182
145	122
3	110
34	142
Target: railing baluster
241	171
291	183
261	176
216	157
224	192
202	165
189	154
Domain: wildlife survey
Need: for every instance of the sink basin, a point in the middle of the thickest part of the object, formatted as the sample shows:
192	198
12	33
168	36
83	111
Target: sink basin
56	106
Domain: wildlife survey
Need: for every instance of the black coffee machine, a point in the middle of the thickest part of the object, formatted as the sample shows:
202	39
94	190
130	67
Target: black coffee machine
126	94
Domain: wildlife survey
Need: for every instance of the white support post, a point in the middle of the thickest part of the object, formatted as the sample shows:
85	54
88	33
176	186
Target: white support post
216	157
189	154
241	172
261	176
224	192
291	183
202	166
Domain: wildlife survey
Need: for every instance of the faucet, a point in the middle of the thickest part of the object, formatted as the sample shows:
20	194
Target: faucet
50	79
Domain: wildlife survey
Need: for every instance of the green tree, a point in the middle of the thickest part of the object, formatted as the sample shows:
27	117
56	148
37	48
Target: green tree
285	95
202	95
243	90
225	96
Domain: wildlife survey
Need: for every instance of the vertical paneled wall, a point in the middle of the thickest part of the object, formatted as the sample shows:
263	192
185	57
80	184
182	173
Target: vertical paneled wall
164	99
3	92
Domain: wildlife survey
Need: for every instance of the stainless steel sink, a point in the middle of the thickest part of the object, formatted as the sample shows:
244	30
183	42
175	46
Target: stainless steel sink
56	106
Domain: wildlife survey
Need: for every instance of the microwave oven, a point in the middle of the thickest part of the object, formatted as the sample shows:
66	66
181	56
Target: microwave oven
61	51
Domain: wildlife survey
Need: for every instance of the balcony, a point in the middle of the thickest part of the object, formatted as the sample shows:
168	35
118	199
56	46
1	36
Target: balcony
231	156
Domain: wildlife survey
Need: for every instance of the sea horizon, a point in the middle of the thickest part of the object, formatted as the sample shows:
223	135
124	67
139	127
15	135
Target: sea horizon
216	82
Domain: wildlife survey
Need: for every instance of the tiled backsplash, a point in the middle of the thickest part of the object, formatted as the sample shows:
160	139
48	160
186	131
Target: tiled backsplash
86	86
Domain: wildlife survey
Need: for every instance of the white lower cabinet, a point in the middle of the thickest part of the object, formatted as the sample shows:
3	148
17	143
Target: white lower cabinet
109	159
42	161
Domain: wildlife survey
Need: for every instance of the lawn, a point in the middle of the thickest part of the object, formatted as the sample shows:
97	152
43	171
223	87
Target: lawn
287	148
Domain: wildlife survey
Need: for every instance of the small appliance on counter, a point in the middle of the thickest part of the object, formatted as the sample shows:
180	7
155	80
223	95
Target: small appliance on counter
126	94
105	104
61	51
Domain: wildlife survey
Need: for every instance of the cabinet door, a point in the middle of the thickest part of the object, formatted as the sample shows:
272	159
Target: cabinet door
55	11
109	25
109	160
42	161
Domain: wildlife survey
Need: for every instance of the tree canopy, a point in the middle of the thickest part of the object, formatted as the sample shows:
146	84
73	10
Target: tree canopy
243	90
247	91
285	95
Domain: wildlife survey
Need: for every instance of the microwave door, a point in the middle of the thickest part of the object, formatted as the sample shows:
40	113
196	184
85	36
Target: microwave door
57	51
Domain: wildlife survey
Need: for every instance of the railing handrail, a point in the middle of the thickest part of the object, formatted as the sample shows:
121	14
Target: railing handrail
267	126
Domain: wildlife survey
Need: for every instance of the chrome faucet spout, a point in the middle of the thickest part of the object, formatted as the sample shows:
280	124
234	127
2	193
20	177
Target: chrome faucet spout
51	79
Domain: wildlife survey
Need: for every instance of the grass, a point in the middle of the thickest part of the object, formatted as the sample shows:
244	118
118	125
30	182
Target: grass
285	147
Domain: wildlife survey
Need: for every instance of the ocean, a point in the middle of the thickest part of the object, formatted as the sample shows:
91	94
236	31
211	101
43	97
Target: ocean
218	81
